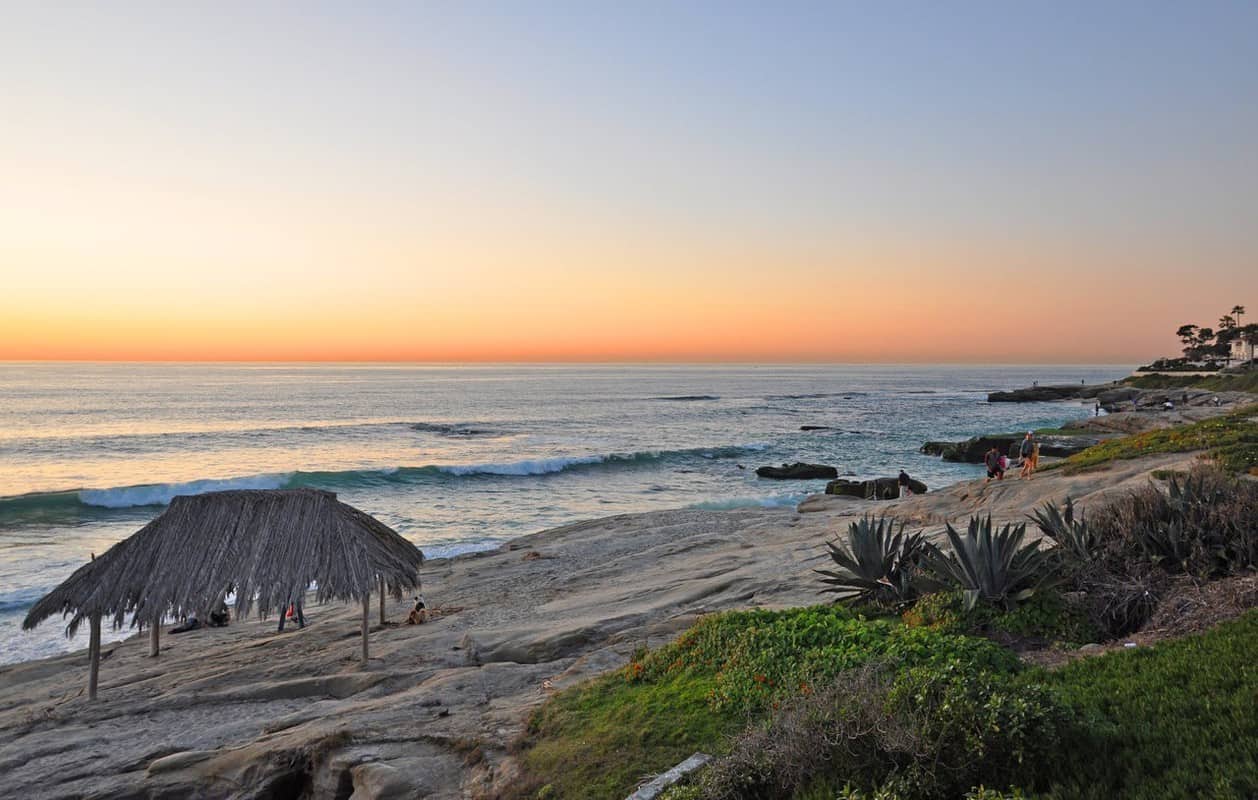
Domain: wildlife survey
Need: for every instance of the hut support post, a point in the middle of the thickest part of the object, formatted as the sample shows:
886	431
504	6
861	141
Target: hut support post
366	616
155	633
93	654
382	600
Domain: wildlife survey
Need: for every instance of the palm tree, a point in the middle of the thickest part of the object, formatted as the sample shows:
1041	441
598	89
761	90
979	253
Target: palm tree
1238	311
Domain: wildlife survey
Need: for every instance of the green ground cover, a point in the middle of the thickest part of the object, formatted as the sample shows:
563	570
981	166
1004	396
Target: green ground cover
825	702
1173	721
1231	440
597	740
1241	382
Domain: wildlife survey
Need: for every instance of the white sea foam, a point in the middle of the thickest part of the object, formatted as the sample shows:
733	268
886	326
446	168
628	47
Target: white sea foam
160	494
539	466
776	501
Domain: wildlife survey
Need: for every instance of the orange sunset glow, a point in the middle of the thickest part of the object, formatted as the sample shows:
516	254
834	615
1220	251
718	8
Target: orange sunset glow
486	204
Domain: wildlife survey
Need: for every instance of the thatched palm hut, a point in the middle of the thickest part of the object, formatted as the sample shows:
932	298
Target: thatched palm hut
268	546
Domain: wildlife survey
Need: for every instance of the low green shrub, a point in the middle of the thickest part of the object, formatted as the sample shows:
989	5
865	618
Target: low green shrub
597	739
1120	557
916	734
1045	616
757	657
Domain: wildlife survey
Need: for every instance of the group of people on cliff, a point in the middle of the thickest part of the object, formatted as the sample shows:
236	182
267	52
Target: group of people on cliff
997	463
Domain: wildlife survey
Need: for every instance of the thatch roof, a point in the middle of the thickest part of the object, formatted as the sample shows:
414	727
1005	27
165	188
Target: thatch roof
267	546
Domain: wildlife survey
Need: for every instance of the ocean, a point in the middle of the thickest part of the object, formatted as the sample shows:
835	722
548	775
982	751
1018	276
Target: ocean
455	458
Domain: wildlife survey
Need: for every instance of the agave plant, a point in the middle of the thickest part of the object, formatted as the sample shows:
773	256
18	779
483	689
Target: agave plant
1075	540
994	567
876	565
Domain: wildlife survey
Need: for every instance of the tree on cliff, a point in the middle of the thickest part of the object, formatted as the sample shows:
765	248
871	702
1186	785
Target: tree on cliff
1188	335
1205	344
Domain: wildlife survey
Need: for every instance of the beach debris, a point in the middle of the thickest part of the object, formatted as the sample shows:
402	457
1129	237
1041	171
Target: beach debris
664	780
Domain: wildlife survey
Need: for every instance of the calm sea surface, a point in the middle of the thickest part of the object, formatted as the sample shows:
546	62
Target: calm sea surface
456	458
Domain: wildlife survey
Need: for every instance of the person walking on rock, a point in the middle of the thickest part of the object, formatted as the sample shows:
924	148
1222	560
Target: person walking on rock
1027	451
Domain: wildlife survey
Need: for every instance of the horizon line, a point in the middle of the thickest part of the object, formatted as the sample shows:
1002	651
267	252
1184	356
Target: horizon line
568	362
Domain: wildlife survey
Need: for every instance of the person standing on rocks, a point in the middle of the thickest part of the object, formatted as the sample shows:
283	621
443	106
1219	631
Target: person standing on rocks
1027	451
905	488
992	460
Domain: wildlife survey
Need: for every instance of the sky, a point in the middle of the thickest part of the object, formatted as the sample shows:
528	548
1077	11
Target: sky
648	181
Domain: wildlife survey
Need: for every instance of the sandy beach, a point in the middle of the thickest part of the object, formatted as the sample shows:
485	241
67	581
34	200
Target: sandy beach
245	712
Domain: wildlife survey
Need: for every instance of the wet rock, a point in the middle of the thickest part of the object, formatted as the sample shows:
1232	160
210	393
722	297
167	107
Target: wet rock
376	781
1037	394
872	489
798	471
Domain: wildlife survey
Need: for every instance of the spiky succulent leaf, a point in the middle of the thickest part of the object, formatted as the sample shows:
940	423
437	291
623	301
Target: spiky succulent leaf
875	564
987	565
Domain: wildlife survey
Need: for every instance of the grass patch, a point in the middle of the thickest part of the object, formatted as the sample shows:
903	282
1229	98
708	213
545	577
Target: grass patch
1238	382
1231	440
1173	721
1064	432
598	740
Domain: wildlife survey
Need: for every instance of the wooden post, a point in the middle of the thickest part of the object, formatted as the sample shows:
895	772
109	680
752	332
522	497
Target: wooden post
382	620
366	616
155	632
93	654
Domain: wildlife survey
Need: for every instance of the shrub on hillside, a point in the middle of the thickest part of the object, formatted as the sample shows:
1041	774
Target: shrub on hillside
1204	525
925	732
1121	557
1045	616
756	658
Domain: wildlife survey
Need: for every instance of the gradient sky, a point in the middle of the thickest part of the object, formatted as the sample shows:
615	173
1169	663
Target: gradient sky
636	181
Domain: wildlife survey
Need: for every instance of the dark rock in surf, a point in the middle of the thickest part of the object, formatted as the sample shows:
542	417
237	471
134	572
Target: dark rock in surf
1036	394
873	489
798	471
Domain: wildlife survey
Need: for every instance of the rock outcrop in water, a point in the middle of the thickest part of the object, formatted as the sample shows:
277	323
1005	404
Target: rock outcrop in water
799	471
1040	394
873	489
972	450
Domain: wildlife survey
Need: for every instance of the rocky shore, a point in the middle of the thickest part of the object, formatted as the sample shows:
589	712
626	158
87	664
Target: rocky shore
244	712
1128	410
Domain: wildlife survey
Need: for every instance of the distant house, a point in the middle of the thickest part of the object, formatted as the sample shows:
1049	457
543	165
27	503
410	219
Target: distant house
1241	350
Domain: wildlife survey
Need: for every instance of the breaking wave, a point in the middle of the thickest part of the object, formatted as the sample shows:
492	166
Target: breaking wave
57	506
